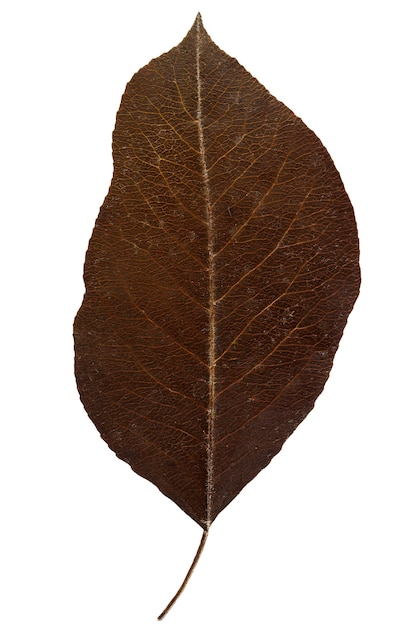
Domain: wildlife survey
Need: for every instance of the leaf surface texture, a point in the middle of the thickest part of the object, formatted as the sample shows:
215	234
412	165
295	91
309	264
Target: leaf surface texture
219	277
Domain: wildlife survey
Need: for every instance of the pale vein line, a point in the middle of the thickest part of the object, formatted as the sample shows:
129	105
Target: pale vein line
268	306
289	383
214	92
148	419
128	348
177	165
290	333
146	397
152	321
259	363
232	312
181	246
264	259
158	167
223	156
181	96
148	164
161	225
164	178
162	267
244	172
168	123
245	134
149	443
212	329
218	95
261	201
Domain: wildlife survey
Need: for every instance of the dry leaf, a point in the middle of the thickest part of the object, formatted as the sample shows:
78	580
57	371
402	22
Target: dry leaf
219	277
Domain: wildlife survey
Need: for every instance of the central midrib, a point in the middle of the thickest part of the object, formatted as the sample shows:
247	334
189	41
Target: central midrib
212	326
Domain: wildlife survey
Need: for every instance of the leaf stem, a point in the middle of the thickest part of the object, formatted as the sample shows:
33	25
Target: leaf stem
187	577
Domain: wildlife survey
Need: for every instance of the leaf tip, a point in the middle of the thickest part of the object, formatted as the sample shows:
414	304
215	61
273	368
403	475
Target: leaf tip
198	22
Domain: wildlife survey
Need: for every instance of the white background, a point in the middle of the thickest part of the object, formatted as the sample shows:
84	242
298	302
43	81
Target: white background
326	534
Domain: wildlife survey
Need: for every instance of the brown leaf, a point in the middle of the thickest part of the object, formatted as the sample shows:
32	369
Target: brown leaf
219	277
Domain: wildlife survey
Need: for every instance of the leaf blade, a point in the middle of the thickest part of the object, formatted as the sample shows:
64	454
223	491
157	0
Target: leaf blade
219	277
